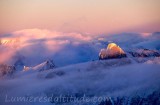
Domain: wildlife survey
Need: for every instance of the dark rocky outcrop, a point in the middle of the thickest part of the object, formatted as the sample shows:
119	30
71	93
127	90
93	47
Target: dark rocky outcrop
145	53
6	70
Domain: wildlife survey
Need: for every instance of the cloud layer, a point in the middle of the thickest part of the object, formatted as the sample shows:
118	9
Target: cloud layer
34	46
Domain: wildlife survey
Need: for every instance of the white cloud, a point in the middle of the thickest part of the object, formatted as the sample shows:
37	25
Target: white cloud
37	45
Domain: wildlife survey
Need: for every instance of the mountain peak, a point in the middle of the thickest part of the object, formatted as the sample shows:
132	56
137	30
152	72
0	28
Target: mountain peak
112	51
47	65
111	45
114	48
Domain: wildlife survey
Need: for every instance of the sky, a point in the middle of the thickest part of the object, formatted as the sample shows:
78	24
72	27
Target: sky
83	16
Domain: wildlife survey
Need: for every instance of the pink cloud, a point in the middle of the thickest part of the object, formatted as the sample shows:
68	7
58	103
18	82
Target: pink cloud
31	39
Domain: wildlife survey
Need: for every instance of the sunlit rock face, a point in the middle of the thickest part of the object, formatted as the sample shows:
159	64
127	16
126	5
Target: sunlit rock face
10	42
112	51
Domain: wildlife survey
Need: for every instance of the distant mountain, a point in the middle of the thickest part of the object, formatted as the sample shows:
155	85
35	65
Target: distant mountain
112	51
6	70
145	53
49	64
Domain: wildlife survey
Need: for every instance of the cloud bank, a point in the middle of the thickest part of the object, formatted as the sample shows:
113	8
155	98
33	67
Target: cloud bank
34	46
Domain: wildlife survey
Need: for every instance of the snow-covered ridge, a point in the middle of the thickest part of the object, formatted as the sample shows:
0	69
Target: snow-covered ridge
47	65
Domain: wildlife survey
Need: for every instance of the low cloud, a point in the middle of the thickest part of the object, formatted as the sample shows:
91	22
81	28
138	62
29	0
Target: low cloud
41	44
37	45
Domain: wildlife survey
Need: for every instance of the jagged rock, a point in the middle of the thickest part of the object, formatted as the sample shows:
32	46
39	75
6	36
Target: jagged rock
6	70
47	65
112	51
145	53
